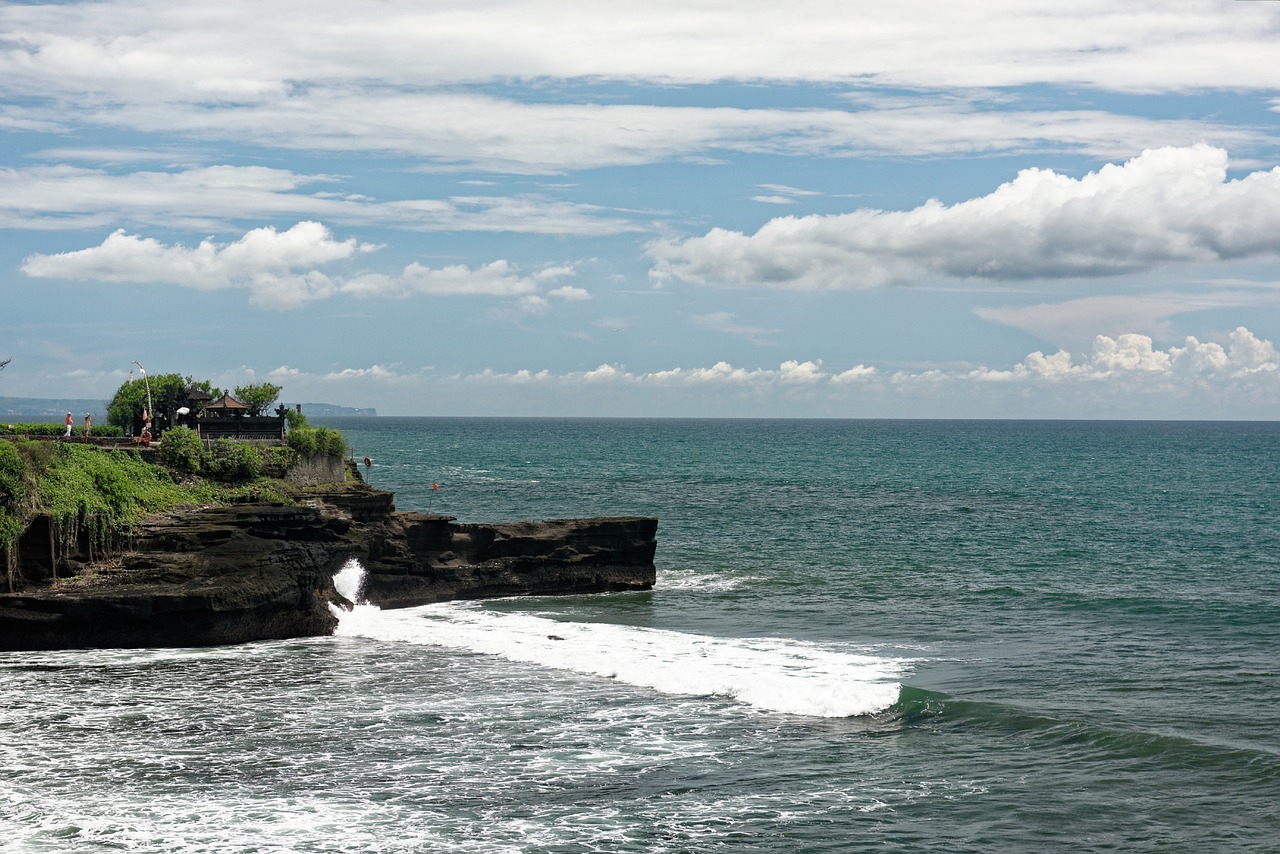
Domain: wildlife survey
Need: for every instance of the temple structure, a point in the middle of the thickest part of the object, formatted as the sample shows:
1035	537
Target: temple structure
228	418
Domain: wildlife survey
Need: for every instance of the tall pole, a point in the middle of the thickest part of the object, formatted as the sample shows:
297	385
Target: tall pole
151	412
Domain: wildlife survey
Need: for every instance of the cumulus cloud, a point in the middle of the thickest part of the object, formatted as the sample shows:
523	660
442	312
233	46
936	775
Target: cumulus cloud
1132	356
271	265
374	372
493	279
570	293
1167	205
279	269
858	373
1125	359
1123	376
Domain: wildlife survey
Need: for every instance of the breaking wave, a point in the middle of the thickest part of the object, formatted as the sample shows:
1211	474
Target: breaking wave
776	674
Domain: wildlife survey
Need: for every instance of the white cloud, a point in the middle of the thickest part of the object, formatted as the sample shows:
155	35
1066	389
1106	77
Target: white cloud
210	197
793	371
1127	359
270	264
569	293
781	194
1130	357
786	190
497	278
456	131
1167	205
279	269
529	305
1245	354
373	372
858	373
141	47
405	78
604	373
1122	376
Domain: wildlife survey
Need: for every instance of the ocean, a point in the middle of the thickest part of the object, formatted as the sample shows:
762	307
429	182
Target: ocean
865	635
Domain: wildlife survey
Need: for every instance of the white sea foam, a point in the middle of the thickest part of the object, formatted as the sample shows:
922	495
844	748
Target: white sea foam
780	675
349	581
691	580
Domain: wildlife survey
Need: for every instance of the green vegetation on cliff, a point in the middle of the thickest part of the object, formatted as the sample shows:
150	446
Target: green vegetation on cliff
100	495
82	489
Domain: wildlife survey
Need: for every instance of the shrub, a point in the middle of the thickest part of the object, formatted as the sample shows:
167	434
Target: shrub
12	488
304	440
230	460
182	450
277	460
310	441
49	428
39	429
331	442
38	456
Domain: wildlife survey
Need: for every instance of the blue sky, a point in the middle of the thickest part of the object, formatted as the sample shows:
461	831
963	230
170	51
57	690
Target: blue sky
999	209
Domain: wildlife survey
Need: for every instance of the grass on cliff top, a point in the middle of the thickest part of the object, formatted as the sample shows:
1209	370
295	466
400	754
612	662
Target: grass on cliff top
107	492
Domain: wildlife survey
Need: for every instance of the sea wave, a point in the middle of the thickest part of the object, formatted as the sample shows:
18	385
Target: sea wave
775	674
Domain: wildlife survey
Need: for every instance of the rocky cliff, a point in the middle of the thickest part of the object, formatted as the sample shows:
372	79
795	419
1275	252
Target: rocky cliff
223	575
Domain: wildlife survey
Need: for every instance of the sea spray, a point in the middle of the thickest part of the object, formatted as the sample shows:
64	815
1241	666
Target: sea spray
350	580
776	674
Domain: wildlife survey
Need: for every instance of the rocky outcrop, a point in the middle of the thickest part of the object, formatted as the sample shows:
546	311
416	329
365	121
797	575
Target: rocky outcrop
222	575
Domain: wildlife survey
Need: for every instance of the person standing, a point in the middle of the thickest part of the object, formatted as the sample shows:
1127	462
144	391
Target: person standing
67	435
88	422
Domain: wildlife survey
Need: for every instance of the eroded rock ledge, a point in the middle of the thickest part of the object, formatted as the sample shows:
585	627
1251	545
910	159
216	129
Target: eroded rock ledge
224	575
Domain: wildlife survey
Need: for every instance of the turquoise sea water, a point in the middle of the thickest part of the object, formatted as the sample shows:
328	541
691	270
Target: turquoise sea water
866	635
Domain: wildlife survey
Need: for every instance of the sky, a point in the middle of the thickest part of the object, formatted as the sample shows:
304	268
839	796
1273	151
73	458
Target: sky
825	208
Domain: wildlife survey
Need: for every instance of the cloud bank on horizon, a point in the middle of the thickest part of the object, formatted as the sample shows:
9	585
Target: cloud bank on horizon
564	202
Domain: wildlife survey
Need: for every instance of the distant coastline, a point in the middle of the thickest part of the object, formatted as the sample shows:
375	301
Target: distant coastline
14	409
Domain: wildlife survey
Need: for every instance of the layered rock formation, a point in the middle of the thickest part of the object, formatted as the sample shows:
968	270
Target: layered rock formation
224	575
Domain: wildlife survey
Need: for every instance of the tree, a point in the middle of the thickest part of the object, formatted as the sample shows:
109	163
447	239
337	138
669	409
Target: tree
257	396
168	393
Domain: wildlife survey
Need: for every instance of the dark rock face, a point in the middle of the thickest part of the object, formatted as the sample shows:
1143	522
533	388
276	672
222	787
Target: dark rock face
560	556
255	572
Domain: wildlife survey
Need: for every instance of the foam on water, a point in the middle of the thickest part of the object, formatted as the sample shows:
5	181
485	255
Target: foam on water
694	580
780	675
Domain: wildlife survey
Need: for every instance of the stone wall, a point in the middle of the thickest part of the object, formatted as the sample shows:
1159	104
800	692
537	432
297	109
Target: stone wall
318	470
